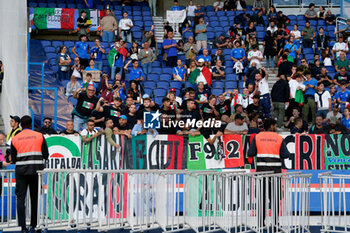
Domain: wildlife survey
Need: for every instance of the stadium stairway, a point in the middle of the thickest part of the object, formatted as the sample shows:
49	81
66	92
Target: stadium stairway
64	108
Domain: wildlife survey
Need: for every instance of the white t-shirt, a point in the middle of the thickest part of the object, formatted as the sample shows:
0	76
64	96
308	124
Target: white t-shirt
272	30
258	54
339	116
340	46
190	11
87	133
239	7
233	127
293	84
323	102
296	33
123	22
263	86
219	5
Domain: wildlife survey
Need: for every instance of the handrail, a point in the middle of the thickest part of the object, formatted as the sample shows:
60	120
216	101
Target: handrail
42	88
339	19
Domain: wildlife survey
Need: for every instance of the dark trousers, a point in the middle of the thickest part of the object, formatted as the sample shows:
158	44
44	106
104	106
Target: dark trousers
84	62
171	61
307	43
22	183
265	102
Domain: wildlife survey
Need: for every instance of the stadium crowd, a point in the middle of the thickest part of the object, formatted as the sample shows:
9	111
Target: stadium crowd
310	95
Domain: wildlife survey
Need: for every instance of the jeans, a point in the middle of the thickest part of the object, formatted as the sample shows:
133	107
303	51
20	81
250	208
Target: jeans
309	108
99	65
270	60
22	183
322	113
152	5
107	36
278	112
62	75
147	68
307	43
116	70
265	102
79	123
126	38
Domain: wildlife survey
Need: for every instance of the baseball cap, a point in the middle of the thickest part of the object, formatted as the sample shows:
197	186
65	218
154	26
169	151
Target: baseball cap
145	96
172	90
16	118
201	60
239	116
123	117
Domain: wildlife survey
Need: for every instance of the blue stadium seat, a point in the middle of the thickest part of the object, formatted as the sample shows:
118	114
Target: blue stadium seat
147	18
229	63
136	13
71	5
158	92
260	29
146	8
221	13
51	5
214	24
148	91
210	29
43	5
309	57
149	84
230	85
50	49
187	35
230	13
57	43
209	8
175	84
240	84
32	4
321	23
167	70
260	35
51	55
68	43
227	51
146	13
148	23
218	84
210	14
158	100
137	35
217	91
137	8
300	17
165	77
330	68
155	64
313	23
61	5
301	22
292	17
308	50
138	18
153	77
188	84
228	70
230	77
224	23
45	43
163	84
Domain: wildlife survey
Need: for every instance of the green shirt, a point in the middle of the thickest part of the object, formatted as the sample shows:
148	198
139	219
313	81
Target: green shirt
344	63
308	32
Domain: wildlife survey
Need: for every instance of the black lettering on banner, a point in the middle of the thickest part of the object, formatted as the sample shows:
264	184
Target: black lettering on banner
194	148
63	164
289	139
155	144
114	153
232	147
165	162
319	152
140	154
83	192
209	150
57	161
67	186
332	145
338	167
98	154
305	155
345	144
107	147
176	150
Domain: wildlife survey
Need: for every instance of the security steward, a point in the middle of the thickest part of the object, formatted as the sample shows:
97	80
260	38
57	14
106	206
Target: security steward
15	129
269	148
28	152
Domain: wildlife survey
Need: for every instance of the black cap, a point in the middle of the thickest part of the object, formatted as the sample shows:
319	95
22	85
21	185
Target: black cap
16	118
47	118
239	116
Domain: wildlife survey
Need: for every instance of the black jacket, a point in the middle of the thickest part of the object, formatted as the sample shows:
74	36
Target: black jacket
285	68
45	130
280	91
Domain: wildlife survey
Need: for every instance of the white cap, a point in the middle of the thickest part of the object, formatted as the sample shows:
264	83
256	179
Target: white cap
201	60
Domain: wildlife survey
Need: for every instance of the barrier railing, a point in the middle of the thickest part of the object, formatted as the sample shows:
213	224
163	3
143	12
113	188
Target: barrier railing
173	200
335	218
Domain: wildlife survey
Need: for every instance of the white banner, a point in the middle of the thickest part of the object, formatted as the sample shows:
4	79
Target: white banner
176	16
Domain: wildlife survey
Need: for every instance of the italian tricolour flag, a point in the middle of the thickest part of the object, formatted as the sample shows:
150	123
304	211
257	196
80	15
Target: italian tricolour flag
54	18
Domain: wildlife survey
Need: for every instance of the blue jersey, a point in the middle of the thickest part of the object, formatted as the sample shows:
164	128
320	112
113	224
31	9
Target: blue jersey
172	52
179	71
311	91
206	59
343	96
135	73
237	53
82	49
346	122
96	51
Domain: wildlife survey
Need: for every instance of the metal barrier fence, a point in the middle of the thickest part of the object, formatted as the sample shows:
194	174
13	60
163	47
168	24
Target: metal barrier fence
335	218
203	201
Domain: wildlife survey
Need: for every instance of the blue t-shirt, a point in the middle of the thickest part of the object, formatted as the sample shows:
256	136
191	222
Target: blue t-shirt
122	94
135	73
237	53
89	69
199	11
98	52
119	61
180	71
295	46
203	35
343	96
172	52
175	8
311	91
82	49
206	59
346	122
